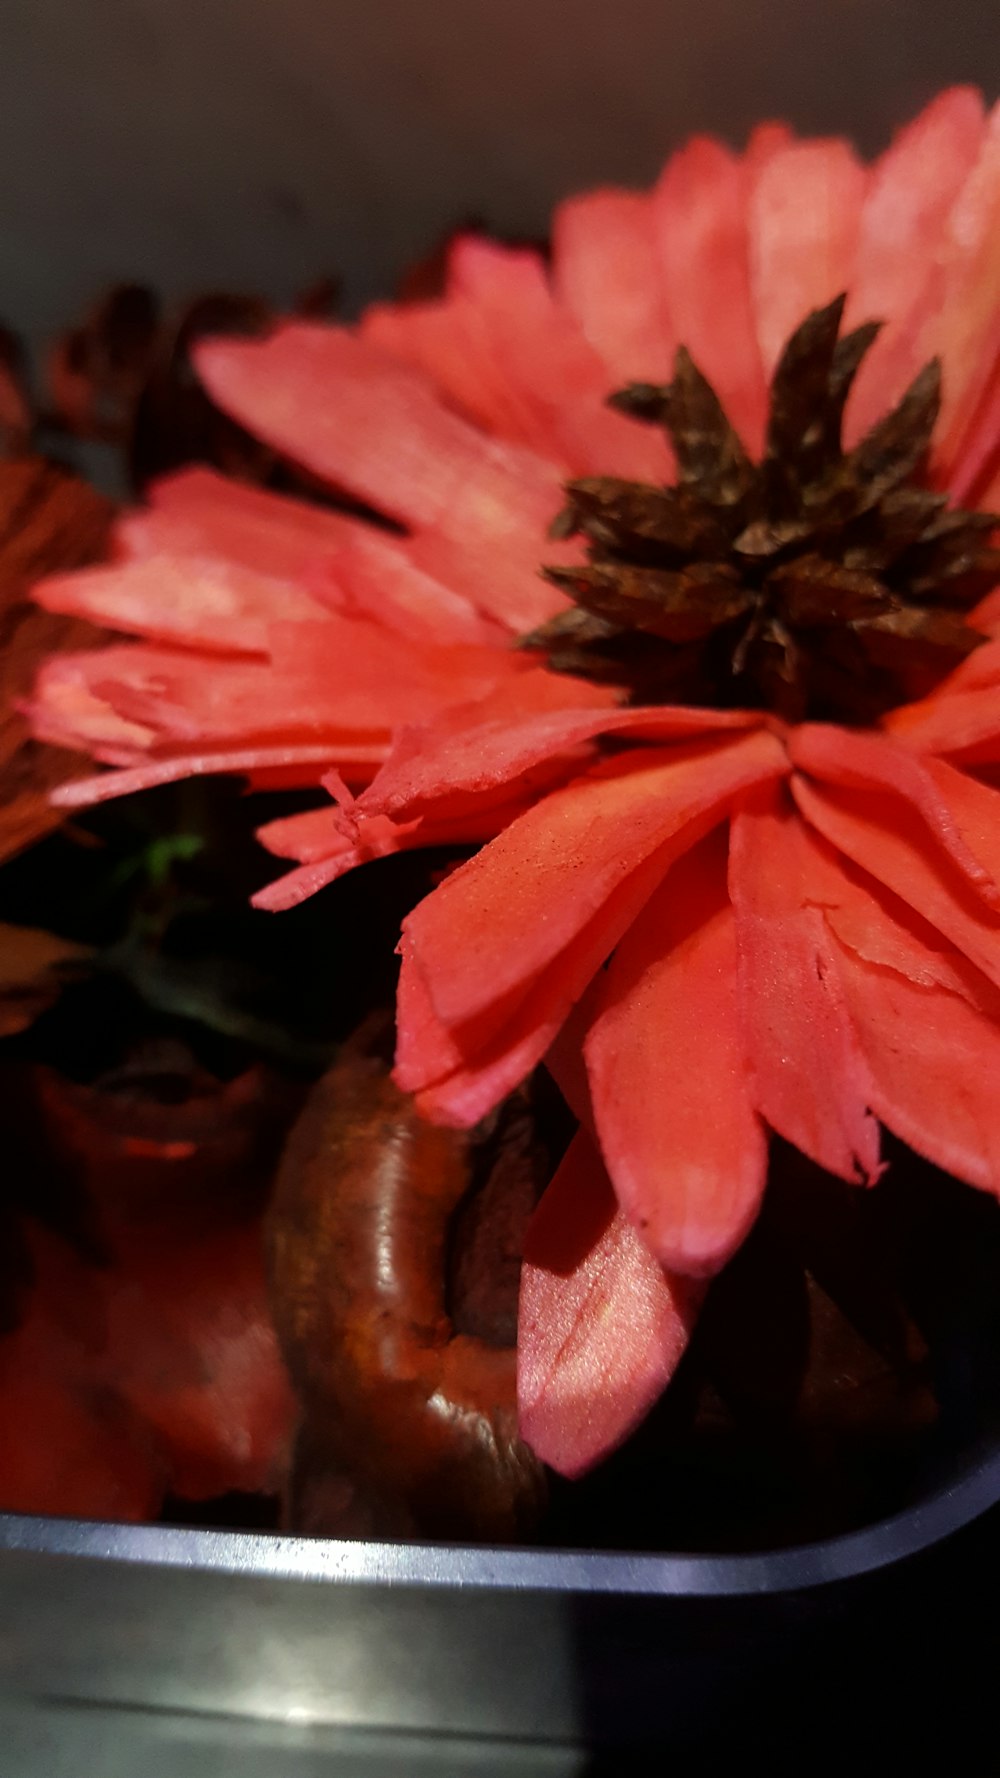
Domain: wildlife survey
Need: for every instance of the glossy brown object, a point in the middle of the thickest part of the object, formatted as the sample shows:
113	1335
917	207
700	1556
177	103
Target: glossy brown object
409	1426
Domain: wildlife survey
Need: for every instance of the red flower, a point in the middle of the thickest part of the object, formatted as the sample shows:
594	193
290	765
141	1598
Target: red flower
714	922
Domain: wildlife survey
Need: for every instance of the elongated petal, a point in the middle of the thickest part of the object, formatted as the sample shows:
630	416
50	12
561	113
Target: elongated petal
963	817
199	512
499	919
528	370
281	767
67	708
935	1069
883	835
934	1060
805	209
904	224
368	424
606	270
965	724
485	748
601	1326
669	1077
460	1074
700	218
927	1022
328	850
450	342
204	602
333	678
810	1081
968	324
375	577
880	929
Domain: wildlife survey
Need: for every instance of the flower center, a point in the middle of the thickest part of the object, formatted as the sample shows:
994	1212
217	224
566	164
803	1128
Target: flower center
818	583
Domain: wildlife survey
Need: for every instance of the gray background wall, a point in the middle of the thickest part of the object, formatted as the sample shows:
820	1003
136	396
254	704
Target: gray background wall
255	143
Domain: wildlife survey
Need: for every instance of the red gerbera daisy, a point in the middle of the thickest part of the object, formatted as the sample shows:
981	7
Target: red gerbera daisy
745	867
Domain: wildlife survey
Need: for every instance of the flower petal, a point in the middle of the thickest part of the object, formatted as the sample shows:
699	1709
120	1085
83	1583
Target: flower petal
606	270
201	601
809	1078
601	1327
546	385
904	225
482	749
805	209
700	217
927	1021
460	1074
375	578
199	512
934	1061
510	910
280	767
366	423
329	845
962	816
967	327
668	1073
884	835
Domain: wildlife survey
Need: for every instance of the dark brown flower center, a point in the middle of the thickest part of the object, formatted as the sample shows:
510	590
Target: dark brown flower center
818	583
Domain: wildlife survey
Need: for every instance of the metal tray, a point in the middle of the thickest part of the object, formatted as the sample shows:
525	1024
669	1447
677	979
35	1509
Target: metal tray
528	1646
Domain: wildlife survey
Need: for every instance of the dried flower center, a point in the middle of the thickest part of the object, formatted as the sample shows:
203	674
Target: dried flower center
818	583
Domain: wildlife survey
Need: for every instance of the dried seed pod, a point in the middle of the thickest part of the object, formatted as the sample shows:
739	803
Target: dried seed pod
410	1427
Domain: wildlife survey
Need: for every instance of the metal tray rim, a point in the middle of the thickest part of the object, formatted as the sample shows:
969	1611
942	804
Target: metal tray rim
276	1556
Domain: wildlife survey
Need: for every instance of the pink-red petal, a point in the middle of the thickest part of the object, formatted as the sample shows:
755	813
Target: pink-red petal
886	838
198	601
606	270
601	1326
700	218
479	751
810	1081
506	913
904	225
199	512
960	815
366	423
668	1073
804	215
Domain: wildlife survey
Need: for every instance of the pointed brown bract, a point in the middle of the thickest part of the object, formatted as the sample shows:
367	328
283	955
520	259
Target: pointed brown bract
817	583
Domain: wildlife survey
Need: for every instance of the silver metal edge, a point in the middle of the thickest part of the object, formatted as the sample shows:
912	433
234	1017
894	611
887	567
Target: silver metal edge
440	1565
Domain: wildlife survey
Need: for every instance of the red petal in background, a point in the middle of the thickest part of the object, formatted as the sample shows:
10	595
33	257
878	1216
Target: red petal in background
192	1350
197	512
601	1327
70	1444
606	270
804	214
904	228
700	219
203	602
368	424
